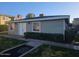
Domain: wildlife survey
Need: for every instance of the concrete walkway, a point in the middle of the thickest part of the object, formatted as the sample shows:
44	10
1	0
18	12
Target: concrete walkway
71	46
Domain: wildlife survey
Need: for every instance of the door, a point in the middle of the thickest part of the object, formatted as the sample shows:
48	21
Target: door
21	28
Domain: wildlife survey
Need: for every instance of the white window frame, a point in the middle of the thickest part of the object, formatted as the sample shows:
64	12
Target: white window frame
39	26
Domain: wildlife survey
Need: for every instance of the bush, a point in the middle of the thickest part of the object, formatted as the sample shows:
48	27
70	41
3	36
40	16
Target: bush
76	38
70	35
68	38
3	28
44	36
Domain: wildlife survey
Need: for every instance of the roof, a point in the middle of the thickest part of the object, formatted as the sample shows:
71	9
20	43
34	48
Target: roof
44	18
48	16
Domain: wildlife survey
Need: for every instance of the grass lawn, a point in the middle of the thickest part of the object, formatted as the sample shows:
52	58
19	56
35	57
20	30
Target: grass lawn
8	43
46	51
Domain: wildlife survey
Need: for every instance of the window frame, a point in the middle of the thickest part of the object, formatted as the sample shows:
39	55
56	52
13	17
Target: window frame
39	26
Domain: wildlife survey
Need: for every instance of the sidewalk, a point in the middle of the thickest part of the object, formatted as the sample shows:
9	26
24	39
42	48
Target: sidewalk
71	46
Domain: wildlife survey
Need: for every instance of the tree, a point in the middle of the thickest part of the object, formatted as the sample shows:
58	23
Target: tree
30	15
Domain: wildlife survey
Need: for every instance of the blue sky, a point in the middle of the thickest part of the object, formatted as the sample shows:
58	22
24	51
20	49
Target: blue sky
48	8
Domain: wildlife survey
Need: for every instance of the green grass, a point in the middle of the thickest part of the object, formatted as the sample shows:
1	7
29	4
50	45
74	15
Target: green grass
6	43
53	51
61	52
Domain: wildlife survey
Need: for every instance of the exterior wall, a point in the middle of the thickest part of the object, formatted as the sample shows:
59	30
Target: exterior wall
76	22
53	27
57	26
50	26
13	31
29	26
19	29
4	20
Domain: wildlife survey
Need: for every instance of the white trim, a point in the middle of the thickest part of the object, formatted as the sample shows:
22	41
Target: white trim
39	26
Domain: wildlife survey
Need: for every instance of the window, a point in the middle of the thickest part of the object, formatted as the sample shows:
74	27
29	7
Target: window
36	27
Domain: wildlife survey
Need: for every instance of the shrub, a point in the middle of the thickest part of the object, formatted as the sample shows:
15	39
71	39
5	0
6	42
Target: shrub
44	36
3	28
76	38
70	35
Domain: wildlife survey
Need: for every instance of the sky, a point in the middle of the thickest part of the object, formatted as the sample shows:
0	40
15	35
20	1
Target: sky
47	8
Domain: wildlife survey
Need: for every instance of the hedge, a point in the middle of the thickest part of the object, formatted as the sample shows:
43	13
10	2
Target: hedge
44	36
76	38
67	38
70	35
3	28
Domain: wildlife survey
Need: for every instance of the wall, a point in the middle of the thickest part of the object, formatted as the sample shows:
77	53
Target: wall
29	26
49	26
53	26
13	31
4	20
57	26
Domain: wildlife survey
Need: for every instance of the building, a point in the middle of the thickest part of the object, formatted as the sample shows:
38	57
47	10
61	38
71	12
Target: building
18	17
4	19
42	24
76	21
76	24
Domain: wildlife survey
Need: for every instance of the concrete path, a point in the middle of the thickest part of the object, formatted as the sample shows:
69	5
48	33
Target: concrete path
71	46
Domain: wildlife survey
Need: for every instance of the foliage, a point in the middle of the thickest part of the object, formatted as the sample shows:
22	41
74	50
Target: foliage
7	43
44	36
53	51
3	28
70	35
76	38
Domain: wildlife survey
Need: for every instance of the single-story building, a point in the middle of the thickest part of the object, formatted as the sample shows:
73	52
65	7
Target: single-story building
45	24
